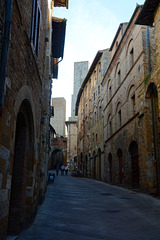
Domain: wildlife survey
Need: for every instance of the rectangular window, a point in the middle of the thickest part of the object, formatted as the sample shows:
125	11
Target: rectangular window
119	118
119	78
133	103
35	26
132	57
98	90
95	117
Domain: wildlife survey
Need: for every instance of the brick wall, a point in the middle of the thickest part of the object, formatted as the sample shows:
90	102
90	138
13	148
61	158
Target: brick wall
26	170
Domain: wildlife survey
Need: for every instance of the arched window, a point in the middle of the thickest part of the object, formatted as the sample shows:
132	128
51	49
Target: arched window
109	90
99	159
109	126
118	75
130	55
100	112
118	116
131	101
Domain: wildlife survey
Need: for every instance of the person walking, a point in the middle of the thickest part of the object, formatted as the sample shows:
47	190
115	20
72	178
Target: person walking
62	170
51	177
66	169
57	170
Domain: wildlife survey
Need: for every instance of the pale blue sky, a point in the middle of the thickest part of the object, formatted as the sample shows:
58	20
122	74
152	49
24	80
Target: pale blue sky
91	26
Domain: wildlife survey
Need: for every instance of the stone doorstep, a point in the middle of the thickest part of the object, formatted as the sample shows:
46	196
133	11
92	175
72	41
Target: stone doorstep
12	237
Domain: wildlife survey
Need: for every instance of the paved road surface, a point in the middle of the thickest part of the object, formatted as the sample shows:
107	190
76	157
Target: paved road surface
84	209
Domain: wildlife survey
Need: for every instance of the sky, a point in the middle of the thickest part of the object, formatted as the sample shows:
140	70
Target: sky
91	26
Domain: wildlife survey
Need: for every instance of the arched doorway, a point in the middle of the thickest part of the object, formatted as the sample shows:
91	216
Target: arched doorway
21	210
81	163
57	159
89	165
99	160
110	167
86	167
152	95
119	156
94	165
133	150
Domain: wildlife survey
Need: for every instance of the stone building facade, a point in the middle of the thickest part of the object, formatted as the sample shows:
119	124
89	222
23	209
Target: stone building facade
72	143
129	152
59	118
58	151
25	80
90	147
80	72
150	15
120	146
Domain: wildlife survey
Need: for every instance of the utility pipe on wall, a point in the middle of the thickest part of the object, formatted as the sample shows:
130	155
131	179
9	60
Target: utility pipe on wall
5	45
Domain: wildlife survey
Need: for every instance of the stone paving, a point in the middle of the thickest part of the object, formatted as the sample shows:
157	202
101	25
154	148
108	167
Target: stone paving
85	209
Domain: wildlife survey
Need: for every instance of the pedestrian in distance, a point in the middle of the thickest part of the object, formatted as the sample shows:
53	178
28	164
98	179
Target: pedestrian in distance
66	169
62	170
57	170
51	177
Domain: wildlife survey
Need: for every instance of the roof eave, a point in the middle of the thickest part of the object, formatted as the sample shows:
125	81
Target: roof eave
146	16
61	3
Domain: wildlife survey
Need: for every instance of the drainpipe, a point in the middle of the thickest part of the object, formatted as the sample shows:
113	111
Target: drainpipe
4	54
155	138
149	49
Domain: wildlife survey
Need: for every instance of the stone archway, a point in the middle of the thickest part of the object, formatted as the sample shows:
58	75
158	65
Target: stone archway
119	156
81	162
99	160
21	209
110	167
133	150
89	165
94	165
86	166
153	120
57	159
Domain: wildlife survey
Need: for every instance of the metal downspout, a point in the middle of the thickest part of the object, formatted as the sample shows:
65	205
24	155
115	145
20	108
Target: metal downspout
5	45
155	139
149	49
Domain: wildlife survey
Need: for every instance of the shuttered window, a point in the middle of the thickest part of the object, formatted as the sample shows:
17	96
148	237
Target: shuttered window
35	26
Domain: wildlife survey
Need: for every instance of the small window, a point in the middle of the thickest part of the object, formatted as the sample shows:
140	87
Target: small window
131	57
119	118
86	108
100	112
95	117
96	138
133	103
95	75
110	92
119	78
98	90
110	128
35	26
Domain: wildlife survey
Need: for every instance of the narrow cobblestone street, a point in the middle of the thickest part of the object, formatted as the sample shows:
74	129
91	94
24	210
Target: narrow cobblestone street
84	209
